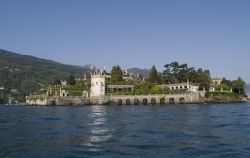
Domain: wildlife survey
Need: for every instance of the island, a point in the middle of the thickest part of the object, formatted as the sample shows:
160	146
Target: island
176	84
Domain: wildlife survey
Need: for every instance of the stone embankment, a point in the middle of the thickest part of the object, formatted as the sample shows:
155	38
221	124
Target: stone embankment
59	101
121	99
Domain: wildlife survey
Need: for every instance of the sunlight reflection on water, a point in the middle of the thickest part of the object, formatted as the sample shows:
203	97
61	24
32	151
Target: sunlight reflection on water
99	132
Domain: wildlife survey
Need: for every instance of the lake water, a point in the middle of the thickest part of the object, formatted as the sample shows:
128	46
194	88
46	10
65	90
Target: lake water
215	130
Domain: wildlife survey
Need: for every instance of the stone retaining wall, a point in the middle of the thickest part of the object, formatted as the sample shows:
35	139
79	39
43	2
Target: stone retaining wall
121	100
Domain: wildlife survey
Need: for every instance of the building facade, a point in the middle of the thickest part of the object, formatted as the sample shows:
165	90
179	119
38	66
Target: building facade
190	87
216	81
97	85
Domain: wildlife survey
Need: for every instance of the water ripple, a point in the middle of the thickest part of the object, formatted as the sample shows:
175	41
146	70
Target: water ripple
125	131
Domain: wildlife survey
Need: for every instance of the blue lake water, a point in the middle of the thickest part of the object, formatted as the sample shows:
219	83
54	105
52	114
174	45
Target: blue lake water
215	130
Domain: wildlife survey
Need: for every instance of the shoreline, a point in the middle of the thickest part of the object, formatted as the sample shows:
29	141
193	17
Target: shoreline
177	104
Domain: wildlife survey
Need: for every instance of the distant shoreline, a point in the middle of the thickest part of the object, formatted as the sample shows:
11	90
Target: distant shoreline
177	104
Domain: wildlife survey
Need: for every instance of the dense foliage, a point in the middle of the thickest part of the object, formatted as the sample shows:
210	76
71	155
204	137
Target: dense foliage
149	88
153	76
57	82
238	86
116	74
179	73
28	74
71	80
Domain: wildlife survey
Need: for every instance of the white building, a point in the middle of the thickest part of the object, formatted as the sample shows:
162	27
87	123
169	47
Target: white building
64	83
216	81
97	85
190	87
64	93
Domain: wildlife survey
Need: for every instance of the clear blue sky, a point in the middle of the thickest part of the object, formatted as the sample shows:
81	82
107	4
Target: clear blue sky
212	34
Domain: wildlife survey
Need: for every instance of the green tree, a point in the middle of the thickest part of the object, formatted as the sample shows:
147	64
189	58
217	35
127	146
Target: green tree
239	86
160	78
71	80
226	82
155	89
57	82
175	72
178	73
142	88
222	86
116	74
203	78
153	75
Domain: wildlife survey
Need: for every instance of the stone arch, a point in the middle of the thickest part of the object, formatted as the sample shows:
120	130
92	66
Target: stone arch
171	100
162	101
119	102
128	101
144	101
53	102
136	101
153	101
182	100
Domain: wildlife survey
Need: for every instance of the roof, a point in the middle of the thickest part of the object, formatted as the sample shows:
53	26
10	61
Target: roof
216	78
120	86
181	84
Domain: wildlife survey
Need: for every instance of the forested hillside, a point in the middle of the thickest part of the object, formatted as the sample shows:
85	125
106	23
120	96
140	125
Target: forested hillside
28	74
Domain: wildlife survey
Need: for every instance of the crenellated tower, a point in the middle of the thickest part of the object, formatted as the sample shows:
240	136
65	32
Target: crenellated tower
97	84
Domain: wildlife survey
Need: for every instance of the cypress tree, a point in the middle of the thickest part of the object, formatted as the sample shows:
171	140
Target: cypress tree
116	74
71	80
153	75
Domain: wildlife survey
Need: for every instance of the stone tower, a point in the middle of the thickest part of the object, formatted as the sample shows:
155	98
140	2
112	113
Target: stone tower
97	85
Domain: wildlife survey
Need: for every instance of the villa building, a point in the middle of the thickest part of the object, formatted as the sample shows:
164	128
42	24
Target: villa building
64	93
189	87
216	81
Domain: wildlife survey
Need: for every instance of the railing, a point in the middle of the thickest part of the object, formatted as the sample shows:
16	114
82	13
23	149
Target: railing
150	95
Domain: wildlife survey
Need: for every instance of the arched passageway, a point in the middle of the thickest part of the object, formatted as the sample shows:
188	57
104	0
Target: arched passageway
128	102
119	102
162	101
144	101
171	101
136	101
182	100
153	101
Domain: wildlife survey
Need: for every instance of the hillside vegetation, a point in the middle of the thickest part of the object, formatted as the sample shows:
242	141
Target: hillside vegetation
27	74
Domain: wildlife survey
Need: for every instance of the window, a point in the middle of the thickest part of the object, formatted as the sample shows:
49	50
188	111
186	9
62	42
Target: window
96	83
